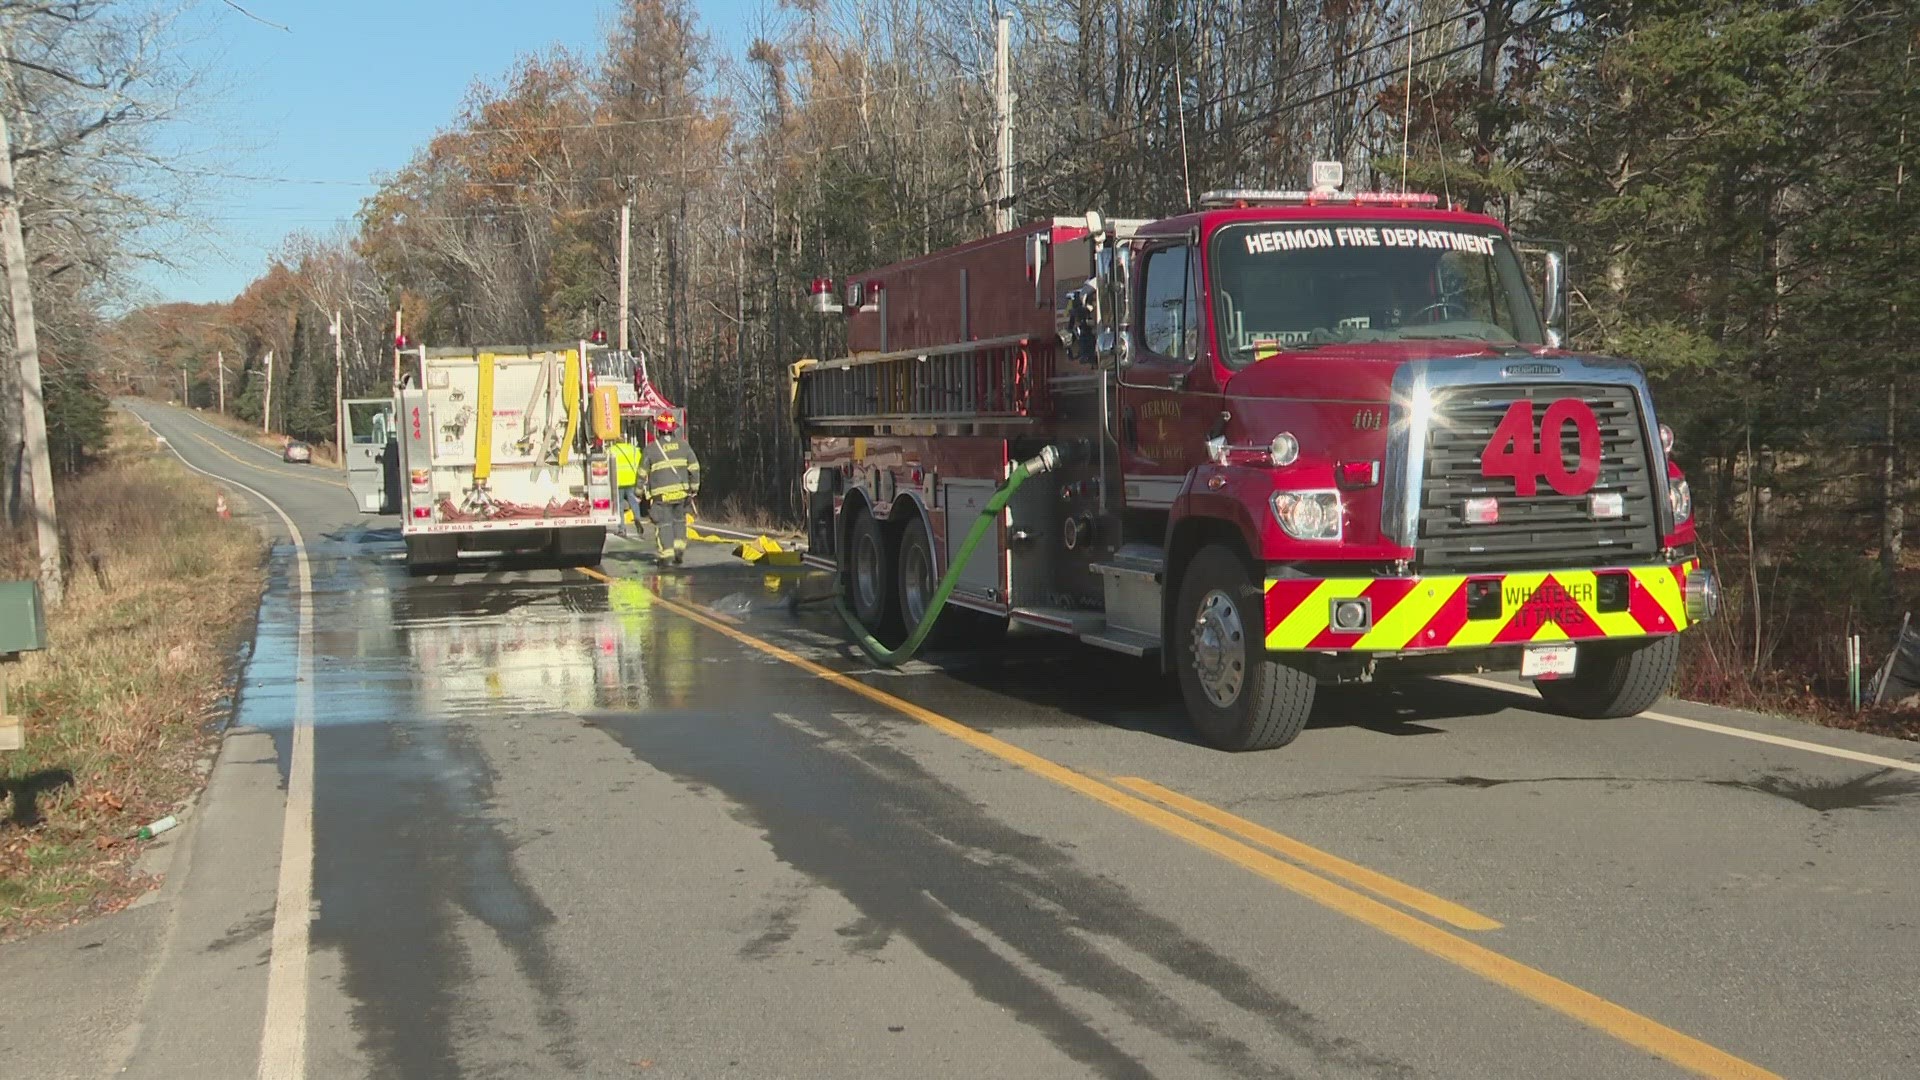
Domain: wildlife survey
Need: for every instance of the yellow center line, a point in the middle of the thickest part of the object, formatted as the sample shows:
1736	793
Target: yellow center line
1616	1020
211	445
1371	880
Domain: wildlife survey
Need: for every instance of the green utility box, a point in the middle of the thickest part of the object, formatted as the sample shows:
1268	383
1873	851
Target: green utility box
23	628
23	620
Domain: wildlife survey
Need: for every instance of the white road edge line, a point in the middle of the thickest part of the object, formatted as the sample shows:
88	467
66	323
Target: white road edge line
1722	729
283	1038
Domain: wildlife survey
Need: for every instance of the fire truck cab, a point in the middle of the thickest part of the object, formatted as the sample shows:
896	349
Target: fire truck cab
1306	437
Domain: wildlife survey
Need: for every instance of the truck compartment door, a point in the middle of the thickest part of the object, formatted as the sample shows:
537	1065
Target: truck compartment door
370	450
964	500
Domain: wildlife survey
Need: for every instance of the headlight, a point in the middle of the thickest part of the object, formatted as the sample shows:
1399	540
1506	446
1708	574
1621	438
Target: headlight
1284	450
1680	497
1308	515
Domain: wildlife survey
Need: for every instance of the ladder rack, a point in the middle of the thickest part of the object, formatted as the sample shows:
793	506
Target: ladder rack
1000	379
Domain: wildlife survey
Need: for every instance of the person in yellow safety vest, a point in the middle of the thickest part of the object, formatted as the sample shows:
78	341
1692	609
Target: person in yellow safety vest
627	460
672	477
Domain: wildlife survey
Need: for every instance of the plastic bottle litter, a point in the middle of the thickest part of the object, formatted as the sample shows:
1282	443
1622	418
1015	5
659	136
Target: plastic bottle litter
149	831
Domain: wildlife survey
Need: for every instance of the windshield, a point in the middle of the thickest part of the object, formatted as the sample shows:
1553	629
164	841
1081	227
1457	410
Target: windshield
1293	286
612	364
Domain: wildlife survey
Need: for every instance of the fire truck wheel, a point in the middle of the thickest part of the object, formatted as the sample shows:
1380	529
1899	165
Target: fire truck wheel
870	576
1611	680
1239	696
918	583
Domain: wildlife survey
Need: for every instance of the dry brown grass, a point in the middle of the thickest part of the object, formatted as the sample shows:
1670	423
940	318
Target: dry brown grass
118	709
736	514
323	452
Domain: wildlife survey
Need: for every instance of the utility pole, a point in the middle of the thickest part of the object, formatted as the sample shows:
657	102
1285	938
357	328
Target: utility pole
33	407
339	391
626	244
220	360
1003	109
184	398
266	407
396	348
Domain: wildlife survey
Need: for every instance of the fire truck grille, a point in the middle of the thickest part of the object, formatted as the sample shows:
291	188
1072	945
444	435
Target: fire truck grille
1546	530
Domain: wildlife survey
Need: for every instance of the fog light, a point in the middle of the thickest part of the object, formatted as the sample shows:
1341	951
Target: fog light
1481	511
1352	616
1483	599
1610	593
1703	596
1607	504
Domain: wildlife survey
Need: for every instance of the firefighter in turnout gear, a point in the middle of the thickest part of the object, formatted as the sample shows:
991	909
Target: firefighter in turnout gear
672	477
627	460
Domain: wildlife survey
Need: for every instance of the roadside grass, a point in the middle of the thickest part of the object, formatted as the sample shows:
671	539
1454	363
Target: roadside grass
323	452
734	513
119	709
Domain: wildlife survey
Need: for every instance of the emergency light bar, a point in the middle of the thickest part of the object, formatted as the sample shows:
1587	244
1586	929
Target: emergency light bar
1238	197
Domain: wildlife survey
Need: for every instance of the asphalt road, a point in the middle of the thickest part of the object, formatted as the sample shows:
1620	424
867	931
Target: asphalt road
528	822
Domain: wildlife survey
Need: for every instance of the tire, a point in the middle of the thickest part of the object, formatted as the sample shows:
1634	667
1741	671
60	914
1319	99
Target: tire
871	587
1612	681
1219	628
917	584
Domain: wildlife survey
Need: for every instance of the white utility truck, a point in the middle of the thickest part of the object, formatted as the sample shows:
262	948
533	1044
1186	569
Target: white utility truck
490	451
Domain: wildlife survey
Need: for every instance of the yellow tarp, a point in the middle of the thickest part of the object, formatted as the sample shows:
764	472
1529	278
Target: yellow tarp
766	551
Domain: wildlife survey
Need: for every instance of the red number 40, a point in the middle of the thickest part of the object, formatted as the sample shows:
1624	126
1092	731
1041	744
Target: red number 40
1515	451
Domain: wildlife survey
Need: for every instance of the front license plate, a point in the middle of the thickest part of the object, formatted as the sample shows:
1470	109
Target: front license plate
1547	662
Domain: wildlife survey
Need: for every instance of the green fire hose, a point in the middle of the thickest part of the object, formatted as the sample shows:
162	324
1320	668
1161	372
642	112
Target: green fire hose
1045	461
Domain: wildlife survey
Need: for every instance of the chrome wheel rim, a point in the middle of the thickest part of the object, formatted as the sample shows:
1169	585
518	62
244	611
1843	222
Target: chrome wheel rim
916	583
866	573
1219	648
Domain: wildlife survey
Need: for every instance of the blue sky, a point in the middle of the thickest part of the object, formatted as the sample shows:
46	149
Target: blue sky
350	91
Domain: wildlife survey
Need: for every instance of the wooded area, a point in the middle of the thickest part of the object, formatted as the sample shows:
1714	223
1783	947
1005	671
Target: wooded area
1730	176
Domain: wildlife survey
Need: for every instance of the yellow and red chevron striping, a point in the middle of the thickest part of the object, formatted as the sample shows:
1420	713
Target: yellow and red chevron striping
1431	612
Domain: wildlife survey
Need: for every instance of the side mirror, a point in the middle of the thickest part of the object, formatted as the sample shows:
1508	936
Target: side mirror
1546	262
1555	287
1114	279
1078	320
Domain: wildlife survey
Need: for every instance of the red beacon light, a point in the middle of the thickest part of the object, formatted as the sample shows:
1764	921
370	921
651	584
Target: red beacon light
400	341
598	337
820	297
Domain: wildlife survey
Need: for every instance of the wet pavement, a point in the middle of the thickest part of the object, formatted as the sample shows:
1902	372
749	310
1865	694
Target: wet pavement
571	826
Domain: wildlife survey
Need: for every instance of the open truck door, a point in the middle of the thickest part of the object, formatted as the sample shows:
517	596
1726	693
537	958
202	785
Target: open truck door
371	454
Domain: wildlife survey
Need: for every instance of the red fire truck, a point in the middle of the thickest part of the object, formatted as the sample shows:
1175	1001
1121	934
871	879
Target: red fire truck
1303	438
